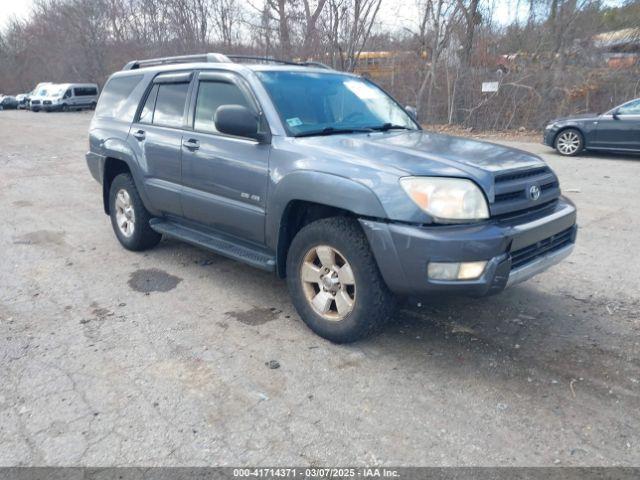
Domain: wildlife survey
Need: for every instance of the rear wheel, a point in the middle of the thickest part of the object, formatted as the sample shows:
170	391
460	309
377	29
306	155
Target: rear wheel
334	281
569	142
129	217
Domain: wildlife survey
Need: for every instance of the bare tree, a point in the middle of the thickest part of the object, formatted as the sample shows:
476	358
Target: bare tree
437	19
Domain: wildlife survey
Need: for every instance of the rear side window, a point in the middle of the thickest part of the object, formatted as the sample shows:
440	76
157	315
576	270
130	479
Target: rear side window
170	104
211	95
146	115
114	97
85	91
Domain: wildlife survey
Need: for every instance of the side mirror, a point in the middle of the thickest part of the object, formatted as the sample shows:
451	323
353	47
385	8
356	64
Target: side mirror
236	120
412	111
614	114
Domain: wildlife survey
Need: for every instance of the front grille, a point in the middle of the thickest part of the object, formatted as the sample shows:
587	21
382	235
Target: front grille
35	102
47	102
519	175
512	195
555	242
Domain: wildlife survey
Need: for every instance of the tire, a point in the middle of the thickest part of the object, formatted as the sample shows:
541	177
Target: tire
92	106
64	108
137	235
569	142
372	304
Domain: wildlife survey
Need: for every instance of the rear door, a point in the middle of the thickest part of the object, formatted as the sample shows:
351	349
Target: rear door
156	137
622	130
224	177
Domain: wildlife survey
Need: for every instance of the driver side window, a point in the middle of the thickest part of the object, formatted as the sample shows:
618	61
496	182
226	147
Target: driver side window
67	94
631	108
211	95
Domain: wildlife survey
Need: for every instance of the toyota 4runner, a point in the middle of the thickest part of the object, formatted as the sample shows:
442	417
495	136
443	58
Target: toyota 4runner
323	178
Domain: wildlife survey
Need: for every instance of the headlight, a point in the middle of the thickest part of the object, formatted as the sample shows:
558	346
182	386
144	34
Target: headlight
447	199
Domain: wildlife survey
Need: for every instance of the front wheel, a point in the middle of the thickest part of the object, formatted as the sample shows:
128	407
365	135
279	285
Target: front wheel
569	142
334	281
129	217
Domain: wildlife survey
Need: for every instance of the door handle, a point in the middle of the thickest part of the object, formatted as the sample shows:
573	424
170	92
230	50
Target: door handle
191	144
139	134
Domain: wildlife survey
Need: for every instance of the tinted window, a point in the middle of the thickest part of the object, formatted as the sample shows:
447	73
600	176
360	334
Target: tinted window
85	91
211	95
631	108
114	96
146	116
170	104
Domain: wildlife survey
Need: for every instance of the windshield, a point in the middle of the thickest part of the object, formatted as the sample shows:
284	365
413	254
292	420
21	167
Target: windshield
326	103
54	91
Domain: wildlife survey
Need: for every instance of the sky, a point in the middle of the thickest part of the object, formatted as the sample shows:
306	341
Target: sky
394	13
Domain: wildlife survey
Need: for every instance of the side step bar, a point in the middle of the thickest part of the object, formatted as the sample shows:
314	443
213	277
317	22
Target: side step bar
217	243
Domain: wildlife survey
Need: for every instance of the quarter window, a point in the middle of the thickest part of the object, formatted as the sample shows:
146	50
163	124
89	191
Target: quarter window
211	95
170	104
113	101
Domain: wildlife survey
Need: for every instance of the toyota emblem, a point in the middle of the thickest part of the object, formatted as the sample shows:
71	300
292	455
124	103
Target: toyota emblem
534	192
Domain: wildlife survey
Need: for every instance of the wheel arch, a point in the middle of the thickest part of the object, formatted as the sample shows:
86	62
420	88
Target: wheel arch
303	197
112	168
570	127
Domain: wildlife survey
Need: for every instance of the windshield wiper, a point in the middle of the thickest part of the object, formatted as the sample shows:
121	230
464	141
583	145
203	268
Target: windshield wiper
390	126
333	131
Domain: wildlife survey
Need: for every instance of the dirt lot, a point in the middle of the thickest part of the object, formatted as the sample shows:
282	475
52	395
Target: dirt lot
108	357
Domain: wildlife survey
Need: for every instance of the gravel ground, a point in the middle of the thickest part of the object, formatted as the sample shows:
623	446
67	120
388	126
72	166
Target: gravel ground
177	356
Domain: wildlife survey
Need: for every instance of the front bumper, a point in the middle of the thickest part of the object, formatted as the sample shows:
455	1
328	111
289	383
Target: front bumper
54	107
515	250
549	135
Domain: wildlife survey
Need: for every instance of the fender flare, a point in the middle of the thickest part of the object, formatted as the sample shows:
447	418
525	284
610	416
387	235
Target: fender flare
119	150
322	188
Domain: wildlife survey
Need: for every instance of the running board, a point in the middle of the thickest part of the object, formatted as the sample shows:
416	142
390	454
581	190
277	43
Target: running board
217	243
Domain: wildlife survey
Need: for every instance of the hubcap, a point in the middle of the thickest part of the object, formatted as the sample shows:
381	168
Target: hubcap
125	216
568	143
328	282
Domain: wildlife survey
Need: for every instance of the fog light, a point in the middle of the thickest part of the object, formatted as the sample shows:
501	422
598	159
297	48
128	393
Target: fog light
455	270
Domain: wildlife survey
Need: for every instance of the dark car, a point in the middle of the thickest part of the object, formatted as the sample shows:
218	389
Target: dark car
616	130
321	177
8	102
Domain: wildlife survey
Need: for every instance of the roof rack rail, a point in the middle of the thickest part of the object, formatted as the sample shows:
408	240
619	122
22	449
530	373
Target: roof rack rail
215	58
276	60
204	57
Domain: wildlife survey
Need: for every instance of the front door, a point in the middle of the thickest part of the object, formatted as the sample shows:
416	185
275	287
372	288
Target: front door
224	177
620	130
156	137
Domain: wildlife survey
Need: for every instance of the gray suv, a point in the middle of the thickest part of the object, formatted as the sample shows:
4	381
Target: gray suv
323	178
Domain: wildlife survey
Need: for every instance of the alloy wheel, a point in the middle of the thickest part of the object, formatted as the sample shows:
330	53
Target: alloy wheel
125	215
328	282
568	143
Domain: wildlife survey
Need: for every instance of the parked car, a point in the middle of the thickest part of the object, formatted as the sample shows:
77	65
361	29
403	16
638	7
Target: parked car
69	96
8	102
615	130
23	101
323	178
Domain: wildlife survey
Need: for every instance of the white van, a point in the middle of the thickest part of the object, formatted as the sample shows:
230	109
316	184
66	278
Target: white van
69	96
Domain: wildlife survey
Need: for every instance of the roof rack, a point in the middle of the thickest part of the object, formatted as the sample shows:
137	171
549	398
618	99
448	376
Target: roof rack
215	58
204	57
276	60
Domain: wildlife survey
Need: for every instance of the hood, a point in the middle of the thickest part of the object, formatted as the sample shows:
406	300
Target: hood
426	153
582	116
